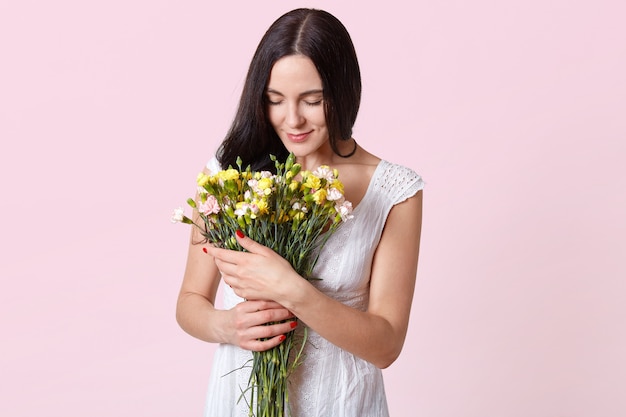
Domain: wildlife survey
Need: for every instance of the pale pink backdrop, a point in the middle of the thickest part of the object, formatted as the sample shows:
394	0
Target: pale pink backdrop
514	113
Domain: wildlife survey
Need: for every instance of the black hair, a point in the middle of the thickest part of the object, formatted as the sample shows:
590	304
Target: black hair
322	38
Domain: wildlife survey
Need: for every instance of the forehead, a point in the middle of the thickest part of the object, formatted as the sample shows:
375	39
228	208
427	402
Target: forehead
294	73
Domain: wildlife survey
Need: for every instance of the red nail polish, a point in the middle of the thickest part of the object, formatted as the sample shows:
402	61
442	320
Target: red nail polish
293	324
204	250
282	337
240	234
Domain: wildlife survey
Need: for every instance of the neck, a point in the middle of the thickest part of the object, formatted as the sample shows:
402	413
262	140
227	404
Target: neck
326	156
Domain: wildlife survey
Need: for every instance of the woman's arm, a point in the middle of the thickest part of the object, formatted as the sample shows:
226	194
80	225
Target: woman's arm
195	309
376	335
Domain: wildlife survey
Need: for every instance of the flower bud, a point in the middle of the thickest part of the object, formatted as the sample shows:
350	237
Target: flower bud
289	162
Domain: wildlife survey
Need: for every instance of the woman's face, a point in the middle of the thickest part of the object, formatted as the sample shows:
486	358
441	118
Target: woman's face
296	105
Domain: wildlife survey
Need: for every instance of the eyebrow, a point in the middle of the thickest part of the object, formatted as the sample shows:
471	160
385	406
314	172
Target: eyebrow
305	93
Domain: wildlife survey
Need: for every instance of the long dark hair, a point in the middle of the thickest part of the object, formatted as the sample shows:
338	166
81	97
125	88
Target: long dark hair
319	36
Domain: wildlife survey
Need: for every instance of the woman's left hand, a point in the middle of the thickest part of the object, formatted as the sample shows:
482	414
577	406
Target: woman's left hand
258	274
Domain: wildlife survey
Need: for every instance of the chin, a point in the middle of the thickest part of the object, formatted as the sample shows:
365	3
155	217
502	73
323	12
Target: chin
298	149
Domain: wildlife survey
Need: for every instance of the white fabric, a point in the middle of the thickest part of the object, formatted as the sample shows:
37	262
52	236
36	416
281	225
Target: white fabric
331	382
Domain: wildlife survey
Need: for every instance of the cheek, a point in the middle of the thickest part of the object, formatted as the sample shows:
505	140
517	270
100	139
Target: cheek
317	116
274	116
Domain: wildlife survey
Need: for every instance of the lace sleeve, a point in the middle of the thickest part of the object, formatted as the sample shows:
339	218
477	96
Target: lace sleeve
400	183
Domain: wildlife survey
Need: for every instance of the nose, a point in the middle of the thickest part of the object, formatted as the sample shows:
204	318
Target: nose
294	117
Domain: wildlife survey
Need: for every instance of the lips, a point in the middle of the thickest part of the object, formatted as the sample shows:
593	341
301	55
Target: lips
297	137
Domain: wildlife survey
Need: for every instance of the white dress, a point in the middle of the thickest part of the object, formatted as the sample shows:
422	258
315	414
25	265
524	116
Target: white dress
331	382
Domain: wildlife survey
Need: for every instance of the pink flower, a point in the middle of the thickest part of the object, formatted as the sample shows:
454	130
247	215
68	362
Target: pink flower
345	210
210	206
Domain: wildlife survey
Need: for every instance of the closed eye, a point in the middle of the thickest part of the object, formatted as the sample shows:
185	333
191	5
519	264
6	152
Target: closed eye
310	97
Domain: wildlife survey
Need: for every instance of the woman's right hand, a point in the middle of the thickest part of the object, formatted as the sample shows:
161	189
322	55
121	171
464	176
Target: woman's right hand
250	331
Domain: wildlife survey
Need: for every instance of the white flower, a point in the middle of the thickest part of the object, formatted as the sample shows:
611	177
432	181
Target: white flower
244	208
324	172
299	207
334	195
178	215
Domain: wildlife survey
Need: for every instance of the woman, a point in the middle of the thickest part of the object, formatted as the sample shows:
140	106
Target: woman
302	95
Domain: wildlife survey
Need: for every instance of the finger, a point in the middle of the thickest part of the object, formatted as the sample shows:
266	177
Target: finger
225	255
249	244
258	305
266	305
269	331
225	267
262	312
228	280
262	345
280	331
272	315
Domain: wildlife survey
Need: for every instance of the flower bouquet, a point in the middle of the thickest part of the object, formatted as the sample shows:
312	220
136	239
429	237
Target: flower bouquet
292	212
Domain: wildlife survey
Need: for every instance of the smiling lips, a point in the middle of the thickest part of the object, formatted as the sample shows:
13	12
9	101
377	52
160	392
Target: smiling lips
297	138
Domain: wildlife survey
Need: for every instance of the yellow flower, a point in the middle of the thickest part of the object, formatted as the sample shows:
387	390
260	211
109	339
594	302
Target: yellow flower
338	185
319	196
298	216
265	185
202	179
228	174
312	182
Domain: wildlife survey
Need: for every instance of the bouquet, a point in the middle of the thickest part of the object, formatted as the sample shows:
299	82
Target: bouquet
293	212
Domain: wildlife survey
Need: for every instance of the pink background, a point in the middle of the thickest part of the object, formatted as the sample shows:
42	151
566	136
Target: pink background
514	113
